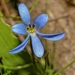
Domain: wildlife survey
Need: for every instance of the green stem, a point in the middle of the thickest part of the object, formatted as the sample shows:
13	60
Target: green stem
0	72
47	5
35	3
48	59
15	68
54	55
1	14
47	46
64	68
33	58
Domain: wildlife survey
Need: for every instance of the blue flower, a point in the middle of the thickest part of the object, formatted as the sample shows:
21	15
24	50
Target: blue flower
31	28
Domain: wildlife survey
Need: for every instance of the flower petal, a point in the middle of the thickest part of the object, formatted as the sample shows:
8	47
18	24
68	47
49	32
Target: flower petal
24	13
37	46
40	21
19	28
20	47
53	37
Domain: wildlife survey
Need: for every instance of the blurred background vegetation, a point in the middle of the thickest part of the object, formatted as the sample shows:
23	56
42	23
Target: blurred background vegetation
61	18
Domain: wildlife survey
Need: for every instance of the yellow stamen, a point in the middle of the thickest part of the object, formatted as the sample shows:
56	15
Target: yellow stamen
31	29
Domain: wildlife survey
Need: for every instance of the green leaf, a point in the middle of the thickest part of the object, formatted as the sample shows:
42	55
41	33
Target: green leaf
7	42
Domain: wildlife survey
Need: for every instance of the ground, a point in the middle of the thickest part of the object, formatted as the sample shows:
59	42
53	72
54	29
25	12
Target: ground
61	18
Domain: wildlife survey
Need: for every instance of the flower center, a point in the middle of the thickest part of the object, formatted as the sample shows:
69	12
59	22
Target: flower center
31	28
